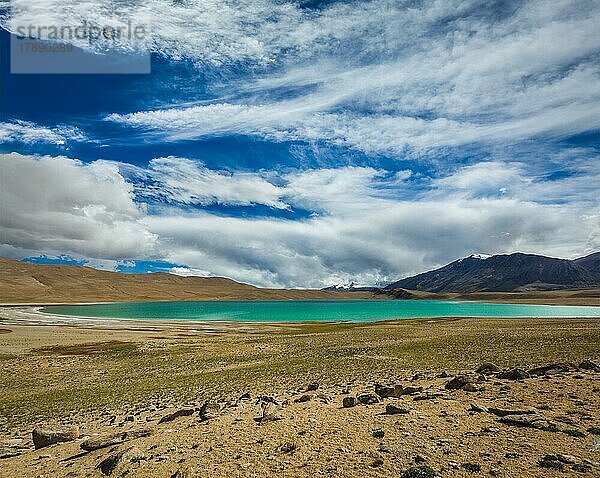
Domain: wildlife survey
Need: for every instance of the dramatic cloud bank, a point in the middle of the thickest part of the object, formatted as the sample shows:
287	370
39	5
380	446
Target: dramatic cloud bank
358	230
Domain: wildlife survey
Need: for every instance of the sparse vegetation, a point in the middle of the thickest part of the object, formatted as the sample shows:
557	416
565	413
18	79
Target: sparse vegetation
51	381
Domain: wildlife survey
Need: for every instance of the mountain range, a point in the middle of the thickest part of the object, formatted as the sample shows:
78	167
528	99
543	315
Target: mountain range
507	273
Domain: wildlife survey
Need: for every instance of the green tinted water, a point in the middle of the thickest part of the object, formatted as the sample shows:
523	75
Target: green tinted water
316	310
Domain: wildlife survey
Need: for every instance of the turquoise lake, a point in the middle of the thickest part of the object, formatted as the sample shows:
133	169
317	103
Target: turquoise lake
314	310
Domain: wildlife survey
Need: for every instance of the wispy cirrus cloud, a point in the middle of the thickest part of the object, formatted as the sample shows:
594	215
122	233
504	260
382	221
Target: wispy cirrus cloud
434	79
29	133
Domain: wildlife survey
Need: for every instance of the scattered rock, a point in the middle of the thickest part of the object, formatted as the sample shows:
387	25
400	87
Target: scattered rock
551	369
378	433
129	455
103	441
312	387
528	421
472	467
303	398
411	390
287	448
460	381
368	398
377	463
349	402
184	412
391	409
590	365
384	390
550	461
566	459
477	408
43	437
514	374
419	458
210	410
488	368
429	395
503	412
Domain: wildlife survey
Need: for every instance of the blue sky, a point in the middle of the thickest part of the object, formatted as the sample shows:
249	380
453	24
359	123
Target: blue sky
300	144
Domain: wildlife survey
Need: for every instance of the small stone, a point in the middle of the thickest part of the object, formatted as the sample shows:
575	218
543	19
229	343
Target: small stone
349	402
529	421
210	410
129	455
377	463
312	386
391	409
303	399
477	408
104	441
419	458
590	365
550	461
502	412
184	412
488	368
551	369
384	390
287	448
411	390
472	467
378	433
43	437
368	398
460	381
566	459
514	374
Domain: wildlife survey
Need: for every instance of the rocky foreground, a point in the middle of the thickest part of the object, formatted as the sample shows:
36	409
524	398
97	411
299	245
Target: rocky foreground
544	421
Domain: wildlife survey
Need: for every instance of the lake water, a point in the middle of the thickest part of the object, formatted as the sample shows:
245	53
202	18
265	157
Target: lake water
316	310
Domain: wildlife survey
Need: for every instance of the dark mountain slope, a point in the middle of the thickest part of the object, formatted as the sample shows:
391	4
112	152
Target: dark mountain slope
506	273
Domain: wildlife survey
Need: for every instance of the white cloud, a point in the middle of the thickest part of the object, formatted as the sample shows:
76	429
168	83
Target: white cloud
360	230
60	205
387	78
188	182
28	133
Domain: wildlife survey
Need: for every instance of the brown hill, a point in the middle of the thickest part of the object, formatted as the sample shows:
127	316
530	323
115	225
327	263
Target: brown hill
25	283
